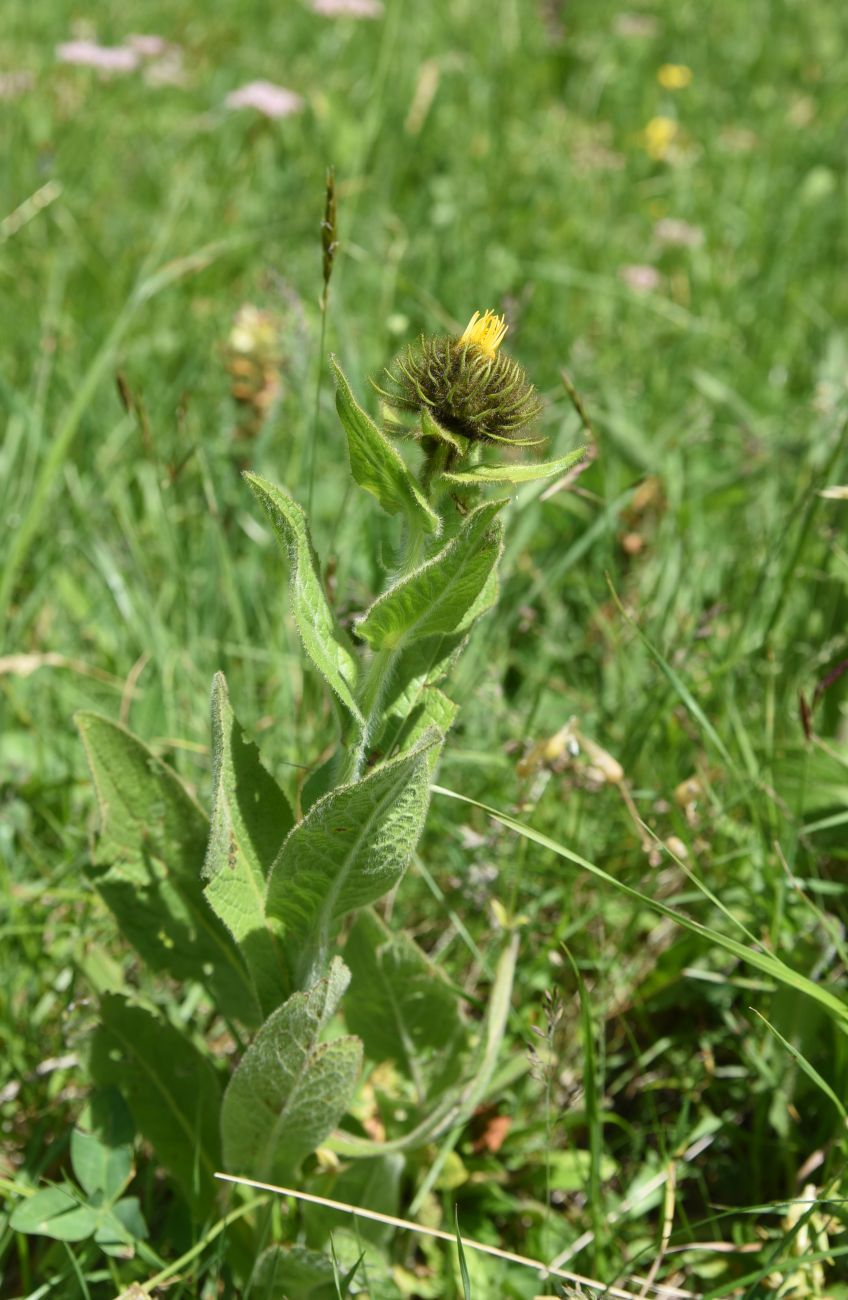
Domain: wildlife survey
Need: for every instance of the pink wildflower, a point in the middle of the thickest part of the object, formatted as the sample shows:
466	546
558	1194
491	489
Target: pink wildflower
641	279
674	231
88	54
147	46
348	8
273	101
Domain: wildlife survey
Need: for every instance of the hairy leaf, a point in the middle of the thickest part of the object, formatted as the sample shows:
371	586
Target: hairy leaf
351	847
171	1089
401	1005
292	1271
250	819
438	597
290	1090
376	465
323	639
429	709
144	807
530	472
147	868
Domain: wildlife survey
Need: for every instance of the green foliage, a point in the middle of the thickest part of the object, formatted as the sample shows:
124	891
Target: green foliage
439	597
250	818
323	640
102	1163
531	472
171	1088
249	907
289	1090
352	847
689	290
377	466
402	1007
152	838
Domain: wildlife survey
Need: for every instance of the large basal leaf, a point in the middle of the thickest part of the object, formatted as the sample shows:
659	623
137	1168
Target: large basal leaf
144	807
376	465
323	639
171	1089
527	472
400	1004
148	859
351	847
290	1090
438	597
250	819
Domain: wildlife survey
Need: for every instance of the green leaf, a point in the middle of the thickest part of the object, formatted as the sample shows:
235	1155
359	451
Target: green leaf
463	1267
55	1212
432	710
250	819
369	1184
419	665
291	1271
144	807
323	639
439	596
770	965
430	428
401	1005
351	847
147	868
121	1226
102	1144
480	475
376	465
171	1089
289	1090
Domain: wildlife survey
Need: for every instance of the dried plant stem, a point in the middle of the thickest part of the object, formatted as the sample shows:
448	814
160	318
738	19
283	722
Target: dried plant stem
617	1293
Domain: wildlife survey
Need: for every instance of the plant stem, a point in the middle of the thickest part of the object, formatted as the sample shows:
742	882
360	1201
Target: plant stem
376	677
378	674
316	421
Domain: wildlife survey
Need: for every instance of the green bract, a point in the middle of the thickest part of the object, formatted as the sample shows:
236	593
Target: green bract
468	392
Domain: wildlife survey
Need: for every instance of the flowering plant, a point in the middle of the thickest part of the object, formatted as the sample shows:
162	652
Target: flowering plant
267	910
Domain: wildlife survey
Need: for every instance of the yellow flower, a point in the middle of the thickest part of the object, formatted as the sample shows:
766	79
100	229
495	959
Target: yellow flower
485	332
659	135
674	76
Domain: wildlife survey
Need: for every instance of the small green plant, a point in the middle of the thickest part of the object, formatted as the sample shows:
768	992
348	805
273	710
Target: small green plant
270	910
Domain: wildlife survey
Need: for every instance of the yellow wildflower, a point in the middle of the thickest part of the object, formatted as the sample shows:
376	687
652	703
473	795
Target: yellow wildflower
659	135
674	76
485	332
465	386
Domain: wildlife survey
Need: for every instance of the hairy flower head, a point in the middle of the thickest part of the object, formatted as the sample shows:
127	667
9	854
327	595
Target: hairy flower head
466	384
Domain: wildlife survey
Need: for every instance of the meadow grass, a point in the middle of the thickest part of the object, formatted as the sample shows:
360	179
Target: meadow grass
675	599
